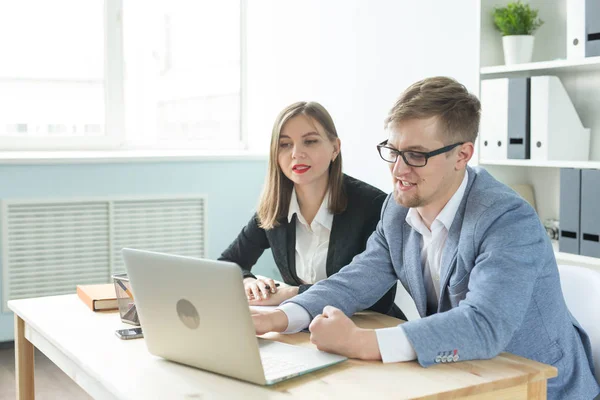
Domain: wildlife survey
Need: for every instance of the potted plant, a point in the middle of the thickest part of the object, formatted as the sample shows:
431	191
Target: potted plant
517	22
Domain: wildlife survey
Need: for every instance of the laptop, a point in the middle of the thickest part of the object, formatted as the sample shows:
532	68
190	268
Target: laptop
194	311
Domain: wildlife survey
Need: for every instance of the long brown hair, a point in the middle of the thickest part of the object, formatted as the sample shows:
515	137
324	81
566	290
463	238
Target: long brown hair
277	191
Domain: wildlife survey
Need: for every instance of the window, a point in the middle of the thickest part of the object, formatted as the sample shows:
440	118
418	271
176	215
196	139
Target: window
52	73
182	72
129	74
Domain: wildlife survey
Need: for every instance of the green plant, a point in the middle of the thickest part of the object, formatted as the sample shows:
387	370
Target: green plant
516	19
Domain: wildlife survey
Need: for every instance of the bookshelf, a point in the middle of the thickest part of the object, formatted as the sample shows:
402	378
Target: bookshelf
543	164
581	79
591	64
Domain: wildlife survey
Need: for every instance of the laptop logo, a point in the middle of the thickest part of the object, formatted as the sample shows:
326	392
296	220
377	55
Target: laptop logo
188	314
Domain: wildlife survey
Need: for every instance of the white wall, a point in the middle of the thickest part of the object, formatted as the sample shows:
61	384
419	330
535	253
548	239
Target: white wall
355	57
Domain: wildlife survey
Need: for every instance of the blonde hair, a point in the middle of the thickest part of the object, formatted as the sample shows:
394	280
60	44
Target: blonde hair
458	111
277	191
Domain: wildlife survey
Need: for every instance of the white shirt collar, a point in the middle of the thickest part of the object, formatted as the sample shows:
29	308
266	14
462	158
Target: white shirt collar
323	217
445	217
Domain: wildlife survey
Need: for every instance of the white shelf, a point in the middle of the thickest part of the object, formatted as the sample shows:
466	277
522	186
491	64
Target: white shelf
547	164
540	68
568	258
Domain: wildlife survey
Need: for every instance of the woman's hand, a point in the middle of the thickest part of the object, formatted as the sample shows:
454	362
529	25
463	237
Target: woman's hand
260	288
275	299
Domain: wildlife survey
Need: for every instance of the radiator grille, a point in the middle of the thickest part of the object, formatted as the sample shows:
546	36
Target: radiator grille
49	247
168	226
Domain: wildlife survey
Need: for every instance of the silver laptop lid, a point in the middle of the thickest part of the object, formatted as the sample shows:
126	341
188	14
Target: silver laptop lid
176	299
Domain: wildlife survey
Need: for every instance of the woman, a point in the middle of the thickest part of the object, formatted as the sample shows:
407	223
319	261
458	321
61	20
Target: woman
314	218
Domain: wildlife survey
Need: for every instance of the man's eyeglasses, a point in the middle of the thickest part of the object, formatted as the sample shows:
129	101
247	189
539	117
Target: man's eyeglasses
412	158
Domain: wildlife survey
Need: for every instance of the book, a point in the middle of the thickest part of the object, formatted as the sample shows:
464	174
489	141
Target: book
98	297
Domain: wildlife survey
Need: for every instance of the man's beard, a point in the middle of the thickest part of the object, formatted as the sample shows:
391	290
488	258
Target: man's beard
406	201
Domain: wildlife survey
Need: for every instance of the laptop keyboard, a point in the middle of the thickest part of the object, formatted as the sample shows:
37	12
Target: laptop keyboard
275	366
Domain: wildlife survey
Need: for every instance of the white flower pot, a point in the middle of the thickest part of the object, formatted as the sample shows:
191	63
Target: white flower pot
517	49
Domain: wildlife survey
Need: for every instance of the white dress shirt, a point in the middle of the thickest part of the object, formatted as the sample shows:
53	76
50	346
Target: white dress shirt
312	241
433	241
393	343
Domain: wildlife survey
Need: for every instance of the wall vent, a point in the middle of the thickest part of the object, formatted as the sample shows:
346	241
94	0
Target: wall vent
49	247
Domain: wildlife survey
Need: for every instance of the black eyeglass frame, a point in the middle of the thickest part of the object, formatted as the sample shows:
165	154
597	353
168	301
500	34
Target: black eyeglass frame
427	155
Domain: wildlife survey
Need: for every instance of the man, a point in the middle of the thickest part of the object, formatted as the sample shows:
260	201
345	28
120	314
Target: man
472	254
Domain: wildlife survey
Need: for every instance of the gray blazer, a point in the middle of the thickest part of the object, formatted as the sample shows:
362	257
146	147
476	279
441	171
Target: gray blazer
500	288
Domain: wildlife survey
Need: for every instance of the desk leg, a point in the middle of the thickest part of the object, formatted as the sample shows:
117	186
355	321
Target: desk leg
538	390
24	363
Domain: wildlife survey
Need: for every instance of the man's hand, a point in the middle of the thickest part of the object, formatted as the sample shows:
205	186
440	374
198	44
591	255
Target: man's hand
333	332
275	299
269	321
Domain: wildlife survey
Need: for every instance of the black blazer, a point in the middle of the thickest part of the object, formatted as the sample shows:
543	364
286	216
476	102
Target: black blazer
349	233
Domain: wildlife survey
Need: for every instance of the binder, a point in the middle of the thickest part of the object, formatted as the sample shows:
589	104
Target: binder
589	240
494	119
592	21
518	118
556	130
569	209
583	28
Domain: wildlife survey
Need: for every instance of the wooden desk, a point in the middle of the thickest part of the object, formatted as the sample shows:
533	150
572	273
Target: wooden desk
84	346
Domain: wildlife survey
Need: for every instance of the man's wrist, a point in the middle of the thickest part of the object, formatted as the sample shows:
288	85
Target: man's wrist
279	320
367	345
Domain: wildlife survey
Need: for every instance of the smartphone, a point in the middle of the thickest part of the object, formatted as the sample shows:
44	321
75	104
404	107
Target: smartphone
131	333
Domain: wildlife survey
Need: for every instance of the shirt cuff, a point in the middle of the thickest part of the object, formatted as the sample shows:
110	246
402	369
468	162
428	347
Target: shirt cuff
298	317
394	345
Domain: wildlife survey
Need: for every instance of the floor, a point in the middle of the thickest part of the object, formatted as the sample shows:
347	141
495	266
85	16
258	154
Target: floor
50	381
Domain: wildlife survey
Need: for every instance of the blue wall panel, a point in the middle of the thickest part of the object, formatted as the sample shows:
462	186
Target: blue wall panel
232	189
